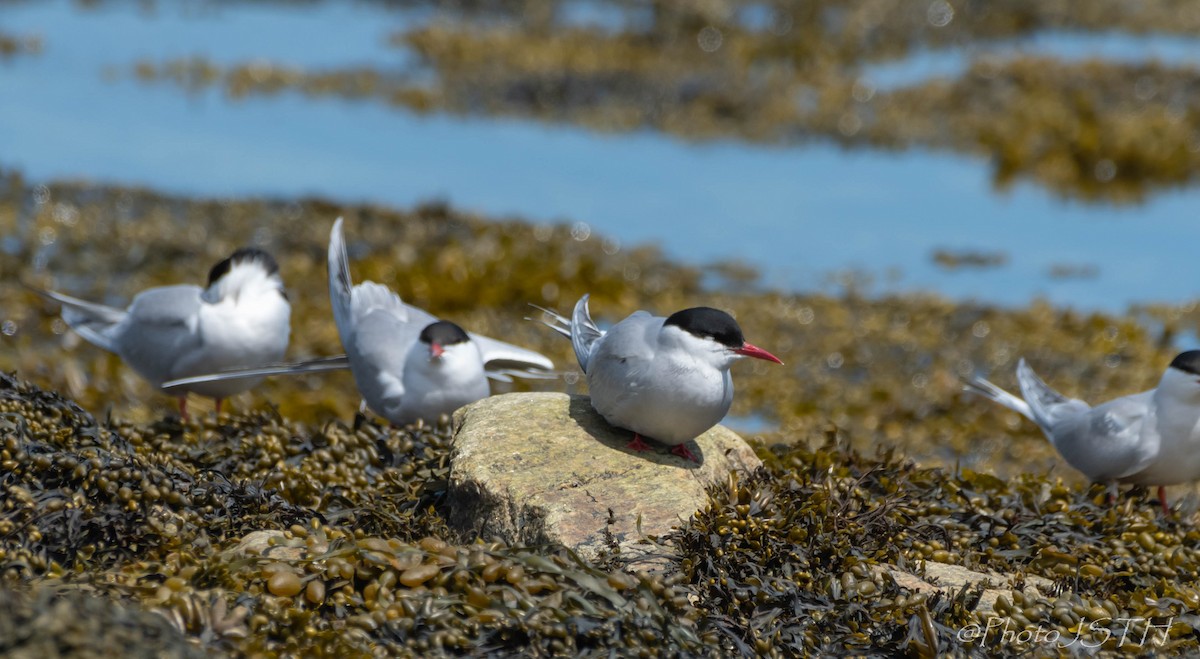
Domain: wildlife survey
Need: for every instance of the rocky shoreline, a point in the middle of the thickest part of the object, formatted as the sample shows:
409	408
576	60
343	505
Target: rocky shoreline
822	550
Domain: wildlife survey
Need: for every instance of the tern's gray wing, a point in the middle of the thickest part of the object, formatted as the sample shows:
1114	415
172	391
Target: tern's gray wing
160	330
634	338
623	358
338	363
1107	441
383	335
1047	406
503	360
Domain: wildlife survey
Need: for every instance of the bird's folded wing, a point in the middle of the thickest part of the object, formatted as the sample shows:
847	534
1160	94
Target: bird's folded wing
1120	422
167	305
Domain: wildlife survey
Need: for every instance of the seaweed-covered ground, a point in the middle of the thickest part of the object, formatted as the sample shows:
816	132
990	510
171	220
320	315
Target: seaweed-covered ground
781	563
106	495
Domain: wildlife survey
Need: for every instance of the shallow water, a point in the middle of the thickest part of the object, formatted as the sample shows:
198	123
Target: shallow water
798	213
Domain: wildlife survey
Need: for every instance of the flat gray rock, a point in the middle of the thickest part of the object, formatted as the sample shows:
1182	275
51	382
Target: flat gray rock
948	579
532	468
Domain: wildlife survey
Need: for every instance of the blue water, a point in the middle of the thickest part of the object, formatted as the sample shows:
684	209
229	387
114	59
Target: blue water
798	213
1066	45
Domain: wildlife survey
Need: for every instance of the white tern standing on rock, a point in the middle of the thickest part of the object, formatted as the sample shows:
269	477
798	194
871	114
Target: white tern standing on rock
663	378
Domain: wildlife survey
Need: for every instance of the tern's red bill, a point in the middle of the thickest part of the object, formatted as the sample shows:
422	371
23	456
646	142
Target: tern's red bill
748	350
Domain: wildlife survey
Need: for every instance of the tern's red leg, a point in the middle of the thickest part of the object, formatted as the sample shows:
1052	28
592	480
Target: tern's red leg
637	444
219	401
1162	499
682	451
183	408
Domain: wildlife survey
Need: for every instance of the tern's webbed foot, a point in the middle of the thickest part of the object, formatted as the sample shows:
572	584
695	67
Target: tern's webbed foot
638	445
682	451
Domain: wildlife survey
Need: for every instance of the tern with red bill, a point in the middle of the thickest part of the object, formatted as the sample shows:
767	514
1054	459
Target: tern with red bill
1150	438
665	379
407	364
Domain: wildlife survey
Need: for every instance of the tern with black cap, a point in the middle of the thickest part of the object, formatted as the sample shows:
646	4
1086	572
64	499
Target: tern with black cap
666	379
240	319
407	364
1150	438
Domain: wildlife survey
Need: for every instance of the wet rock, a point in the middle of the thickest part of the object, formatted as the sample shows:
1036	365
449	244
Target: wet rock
268	544
948	579
543	467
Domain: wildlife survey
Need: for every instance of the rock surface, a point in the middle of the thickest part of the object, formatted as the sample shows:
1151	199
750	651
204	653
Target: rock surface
948	578
270	543
544	467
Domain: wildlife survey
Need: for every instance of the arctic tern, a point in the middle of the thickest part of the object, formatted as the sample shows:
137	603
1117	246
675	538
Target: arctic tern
1150	438
240	319
407	364
662	378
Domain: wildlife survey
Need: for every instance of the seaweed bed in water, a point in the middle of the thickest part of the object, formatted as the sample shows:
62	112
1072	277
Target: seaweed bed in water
119	532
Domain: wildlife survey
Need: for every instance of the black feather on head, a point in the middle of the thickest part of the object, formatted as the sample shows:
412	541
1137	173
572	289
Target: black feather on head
443	333
261	257
1188	362
706	322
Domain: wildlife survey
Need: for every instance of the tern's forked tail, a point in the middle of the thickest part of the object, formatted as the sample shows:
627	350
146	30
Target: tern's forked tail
580	329
584	332
985	389
90	320
1046	405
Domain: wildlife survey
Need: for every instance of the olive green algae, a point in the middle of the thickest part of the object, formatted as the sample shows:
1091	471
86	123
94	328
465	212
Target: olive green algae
785	561
106	492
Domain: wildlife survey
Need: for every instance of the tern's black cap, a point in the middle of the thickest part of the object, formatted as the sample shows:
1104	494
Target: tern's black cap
244	254
710	323
443	333
1188	362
